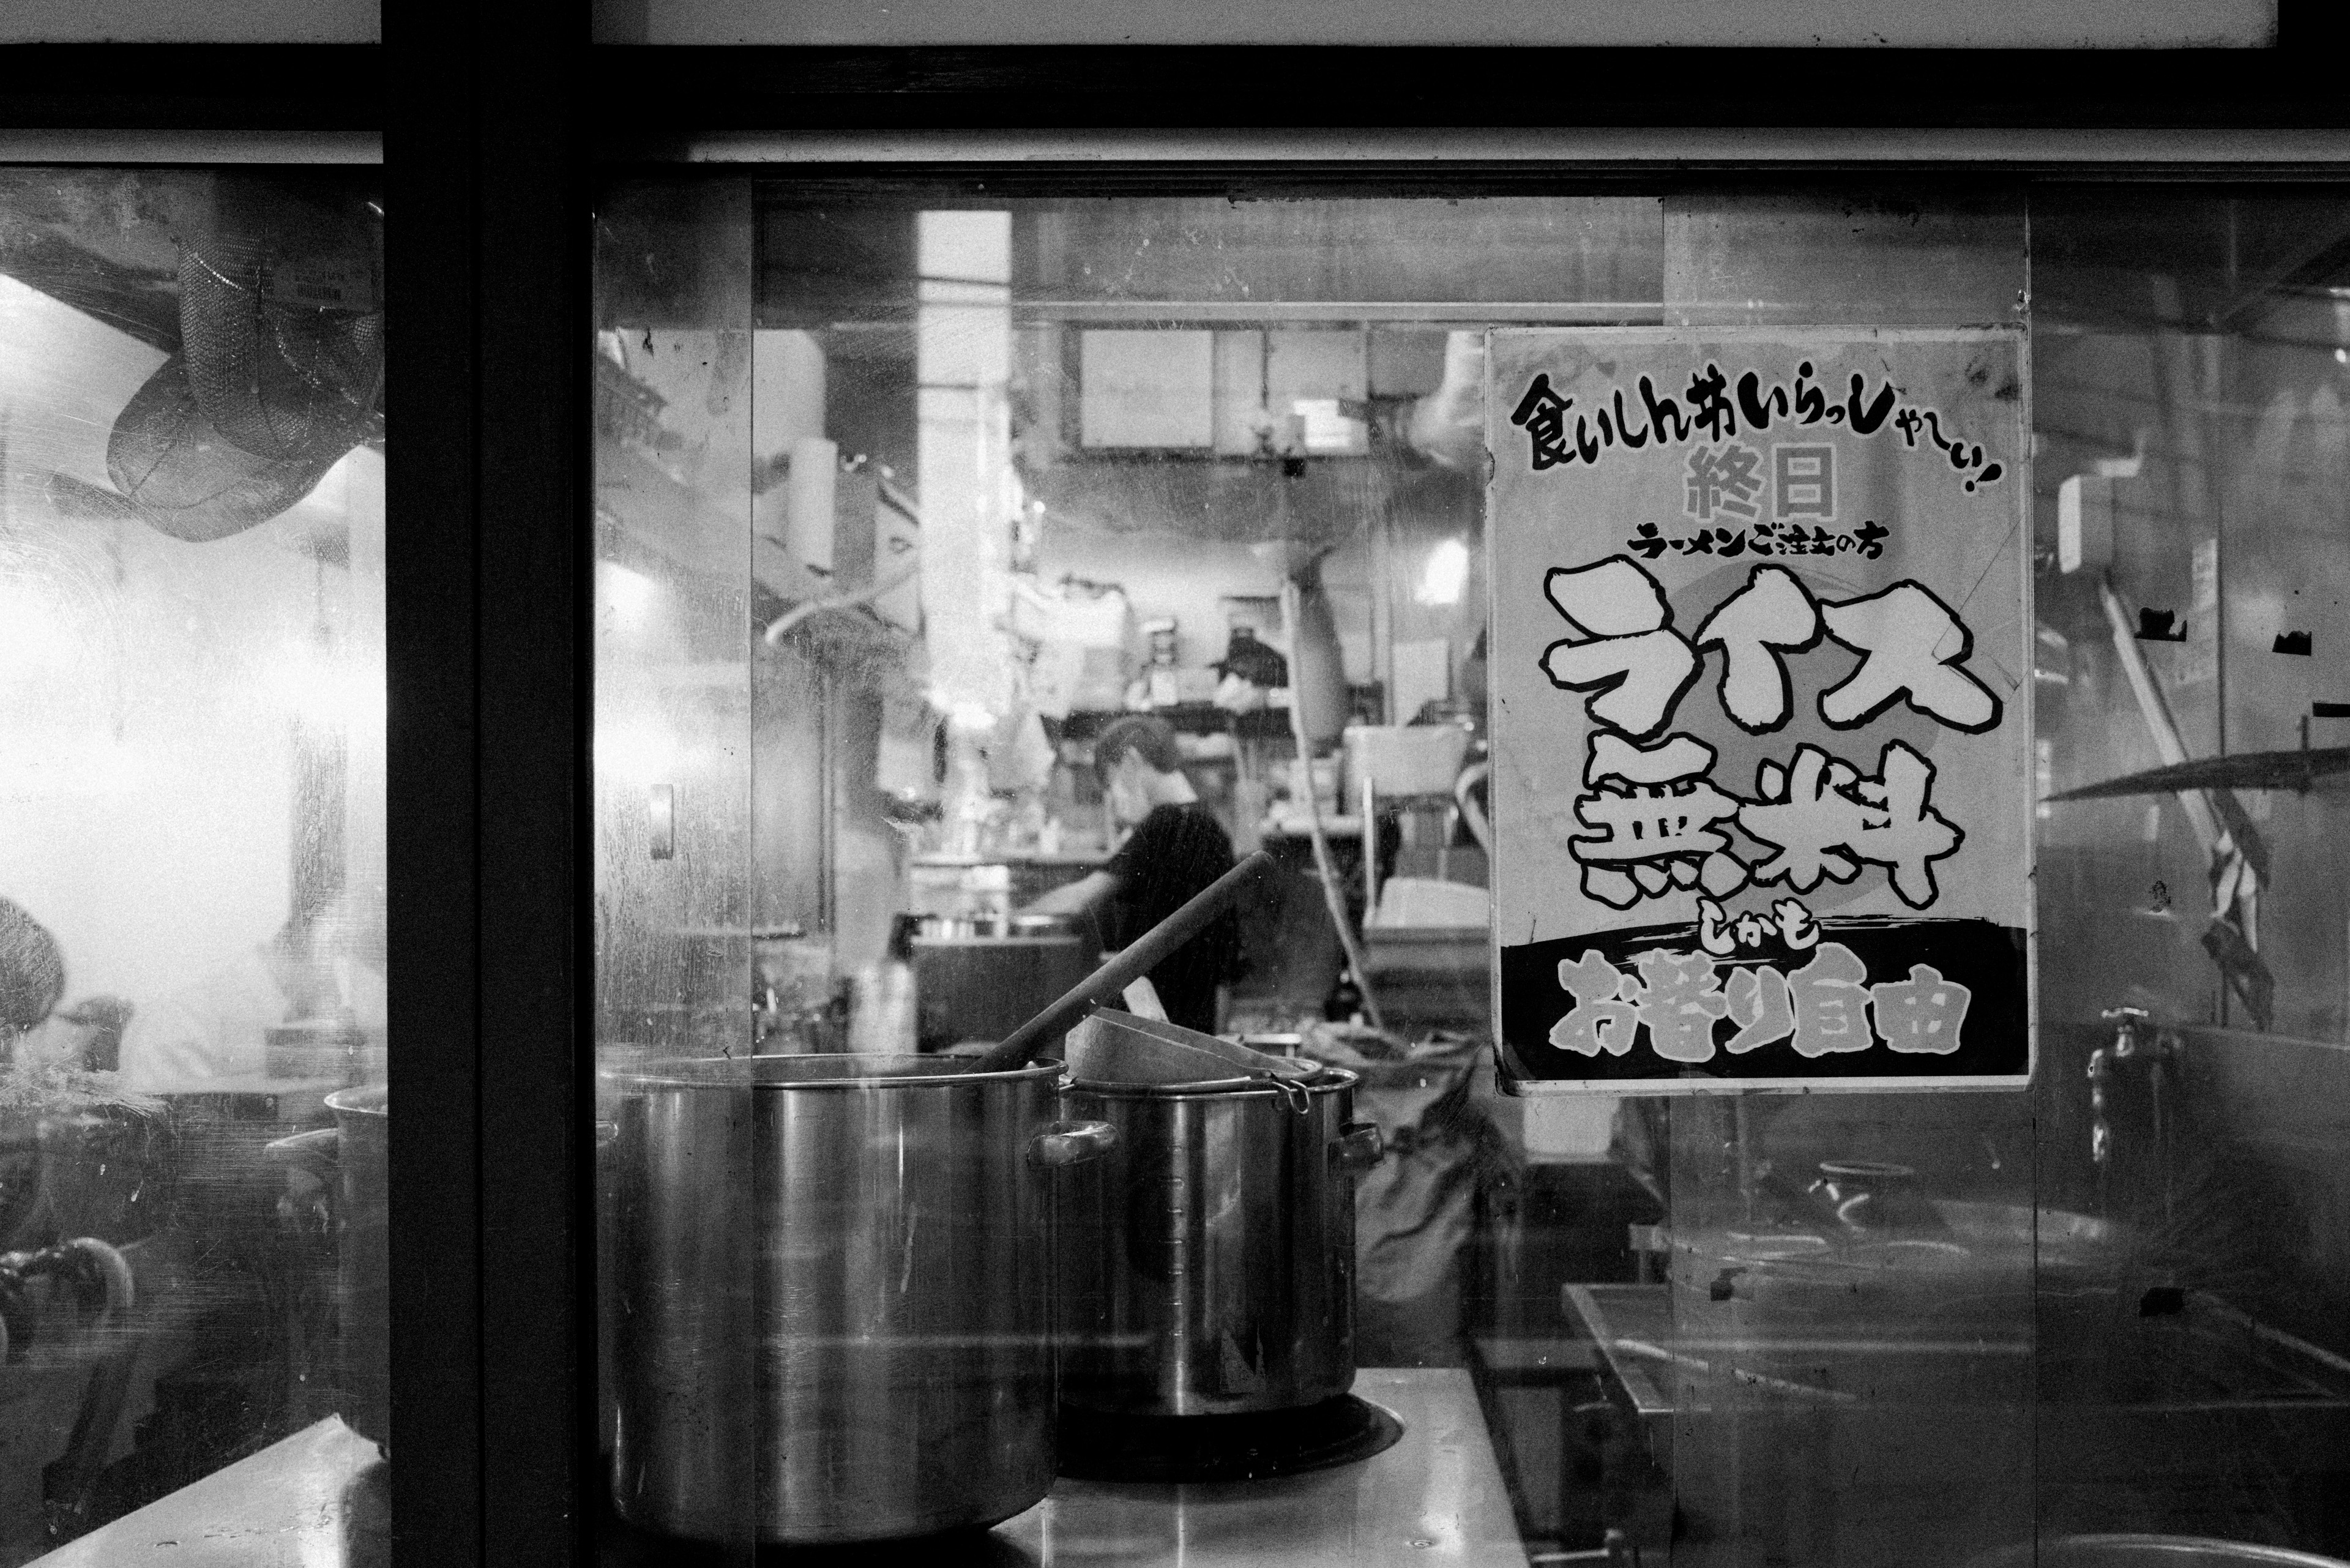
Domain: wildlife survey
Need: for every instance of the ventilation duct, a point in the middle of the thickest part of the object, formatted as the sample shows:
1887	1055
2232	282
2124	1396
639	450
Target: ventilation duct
279	372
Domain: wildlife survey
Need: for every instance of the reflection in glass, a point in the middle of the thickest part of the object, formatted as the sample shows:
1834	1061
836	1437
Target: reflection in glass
2189	395
193	1234
915	510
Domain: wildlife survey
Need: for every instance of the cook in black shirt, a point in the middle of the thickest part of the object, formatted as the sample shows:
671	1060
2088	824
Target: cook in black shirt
1176	849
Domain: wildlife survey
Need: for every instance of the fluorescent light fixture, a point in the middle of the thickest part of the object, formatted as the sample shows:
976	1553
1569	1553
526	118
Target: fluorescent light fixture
636	754
329	692
628	593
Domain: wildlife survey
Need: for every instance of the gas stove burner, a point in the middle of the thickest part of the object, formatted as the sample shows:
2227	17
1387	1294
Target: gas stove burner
1248	1447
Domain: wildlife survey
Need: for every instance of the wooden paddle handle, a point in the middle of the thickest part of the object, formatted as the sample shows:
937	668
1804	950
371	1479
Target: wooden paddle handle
1139	957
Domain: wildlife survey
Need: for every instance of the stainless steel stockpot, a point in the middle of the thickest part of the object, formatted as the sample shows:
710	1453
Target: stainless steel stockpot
1207	1262
352	1160
833	1281
982	977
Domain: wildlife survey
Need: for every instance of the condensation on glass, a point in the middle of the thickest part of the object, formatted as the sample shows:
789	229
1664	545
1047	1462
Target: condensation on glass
194	1054
911	500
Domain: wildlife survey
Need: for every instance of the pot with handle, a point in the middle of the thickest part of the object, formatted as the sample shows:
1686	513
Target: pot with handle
1208	1260
343	1173
833	1296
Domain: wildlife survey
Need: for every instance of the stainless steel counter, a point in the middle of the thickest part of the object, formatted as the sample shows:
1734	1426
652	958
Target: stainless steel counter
319	1498
1436	1500
1632	1324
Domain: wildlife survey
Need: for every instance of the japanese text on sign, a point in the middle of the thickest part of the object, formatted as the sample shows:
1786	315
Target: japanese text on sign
1714	413
1821	1009
1772	823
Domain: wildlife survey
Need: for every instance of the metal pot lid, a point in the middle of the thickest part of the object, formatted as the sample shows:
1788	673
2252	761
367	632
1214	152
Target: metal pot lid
824	1071
1324	1079
368	1100
994	928
1867	1170
776	931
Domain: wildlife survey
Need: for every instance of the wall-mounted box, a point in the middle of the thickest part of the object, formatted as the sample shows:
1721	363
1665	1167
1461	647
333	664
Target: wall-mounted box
1240	393
1147	390
1312	376
1406	364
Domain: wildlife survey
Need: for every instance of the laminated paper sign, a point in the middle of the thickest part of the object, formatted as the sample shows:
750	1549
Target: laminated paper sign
1761	684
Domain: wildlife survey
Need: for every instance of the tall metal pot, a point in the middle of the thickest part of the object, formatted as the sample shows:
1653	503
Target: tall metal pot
352	1161
1207	1262
833	1276
982	977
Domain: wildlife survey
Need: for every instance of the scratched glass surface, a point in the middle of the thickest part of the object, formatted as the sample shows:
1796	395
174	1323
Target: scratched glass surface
1976	1328
193	1050
676	887
2190	377
948	543
946	549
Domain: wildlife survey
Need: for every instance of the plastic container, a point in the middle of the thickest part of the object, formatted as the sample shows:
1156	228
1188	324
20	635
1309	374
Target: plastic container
1423	903
1329	775
1406	759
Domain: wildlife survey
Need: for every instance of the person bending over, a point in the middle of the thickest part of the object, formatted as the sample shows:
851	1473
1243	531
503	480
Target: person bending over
1176	850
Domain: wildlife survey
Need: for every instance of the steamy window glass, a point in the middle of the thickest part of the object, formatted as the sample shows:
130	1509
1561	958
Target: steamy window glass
193	1043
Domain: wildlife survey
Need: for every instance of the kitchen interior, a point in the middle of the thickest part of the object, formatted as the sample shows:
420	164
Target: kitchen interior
906	493
905	497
